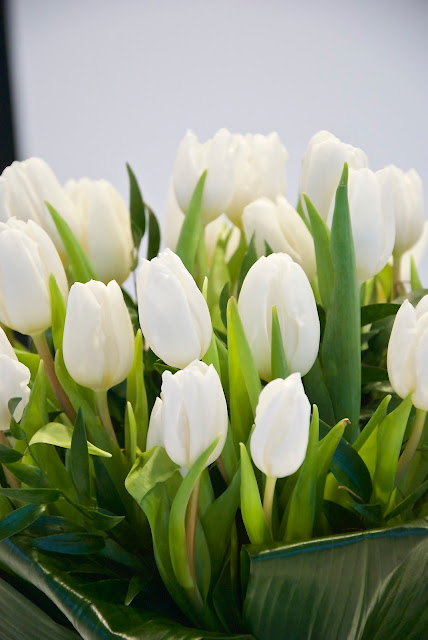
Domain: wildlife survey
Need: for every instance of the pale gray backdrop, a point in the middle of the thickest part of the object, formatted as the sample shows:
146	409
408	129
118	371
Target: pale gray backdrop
101	82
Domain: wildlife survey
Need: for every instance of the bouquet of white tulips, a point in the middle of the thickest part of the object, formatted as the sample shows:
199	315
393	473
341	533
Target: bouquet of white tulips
235	444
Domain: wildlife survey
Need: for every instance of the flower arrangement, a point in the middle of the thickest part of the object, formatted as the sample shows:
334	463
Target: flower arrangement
238	448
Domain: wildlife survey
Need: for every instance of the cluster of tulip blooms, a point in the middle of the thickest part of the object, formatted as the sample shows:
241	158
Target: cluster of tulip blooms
257	315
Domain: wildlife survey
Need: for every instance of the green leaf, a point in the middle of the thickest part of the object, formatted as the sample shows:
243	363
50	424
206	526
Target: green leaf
223	300
79	463
154	236
136	392
278	358
20	519
130	434
218	280
58	312
390	434
373	374
341	348
189	236
251	504
248	260
32	496
350	471
61	435
9	455
317	392
321	236
137	208
415	281
70	543
335	572
373	312
79	261
29	475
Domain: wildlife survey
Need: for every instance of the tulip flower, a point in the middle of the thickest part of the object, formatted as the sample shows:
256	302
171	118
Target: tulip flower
322	166
280	438
193	413
24	189
154	433
279	225
372	221
407	203
106	234
240	169
98	343
174	315
276	280
27	259
14	378
407	357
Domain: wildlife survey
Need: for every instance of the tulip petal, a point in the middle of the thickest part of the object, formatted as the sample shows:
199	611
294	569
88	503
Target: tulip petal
400	356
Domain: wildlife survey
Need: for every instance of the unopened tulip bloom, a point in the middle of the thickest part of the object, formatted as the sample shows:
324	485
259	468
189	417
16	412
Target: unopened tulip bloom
27	259
280	438
372	220
154	433
106	234
277	280
98	343
407	356
279	225
174	315
14	379
407	203
322	166
24	188
193	413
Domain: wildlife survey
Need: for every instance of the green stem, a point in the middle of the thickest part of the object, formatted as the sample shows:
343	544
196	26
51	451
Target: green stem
268	500
44	352
411	445
398	288
191	520
13	482
105	414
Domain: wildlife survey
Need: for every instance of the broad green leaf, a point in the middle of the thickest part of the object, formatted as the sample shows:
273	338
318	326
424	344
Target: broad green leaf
336	571
35	413
235	262
70	543
101	519
130	434
341	348
61	435
317	392
321	236
9	455
408	502
32	496
366	443
189	236
390	434
211	356
373	374
137	208
326	450
58	312
249	258
20	519
349	471
82	269
415	281
154	236
29	475
279	364
218	280
79	461
251	504
136	392
373	312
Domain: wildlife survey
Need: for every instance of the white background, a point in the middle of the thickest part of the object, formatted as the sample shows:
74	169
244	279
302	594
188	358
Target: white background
100	82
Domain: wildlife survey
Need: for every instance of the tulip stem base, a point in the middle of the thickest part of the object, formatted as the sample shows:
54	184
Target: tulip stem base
411	445
105	414
268	500
45	354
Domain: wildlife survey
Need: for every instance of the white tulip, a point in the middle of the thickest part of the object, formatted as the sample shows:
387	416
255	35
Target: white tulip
27	259
279	225
407	357
372	221
193	413
322	166
408	205
106	234
24	188
154	433
98	343
14	379
277	280
174	315
280	438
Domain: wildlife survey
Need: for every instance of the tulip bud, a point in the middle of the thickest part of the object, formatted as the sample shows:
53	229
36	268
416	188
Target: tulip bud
279	225
277	280
280	438
407	357
106	228
322	166
27	259
24	189
98	343
174	315
407	203
154	433
14	377
372	221
193	413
